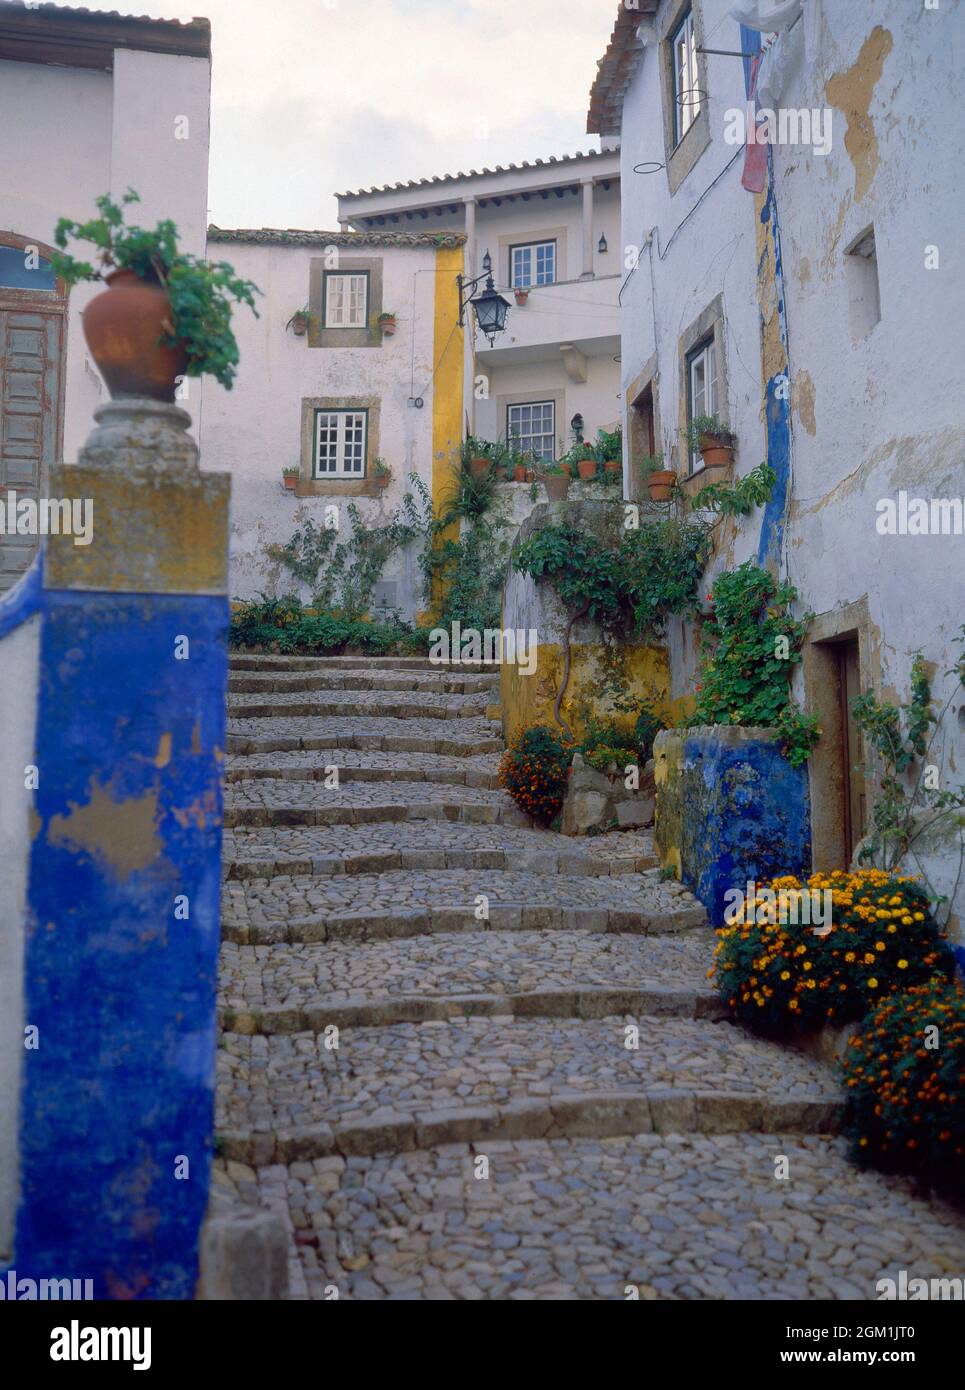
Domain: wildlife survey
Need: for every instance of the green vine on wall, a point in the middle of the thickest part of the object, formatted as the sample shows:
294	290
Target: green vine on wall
910	799
750	646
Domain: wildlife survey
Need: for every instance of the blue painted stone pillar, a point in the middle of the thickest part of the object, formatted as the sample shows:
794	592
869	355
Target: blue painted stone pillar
116	1106
730	809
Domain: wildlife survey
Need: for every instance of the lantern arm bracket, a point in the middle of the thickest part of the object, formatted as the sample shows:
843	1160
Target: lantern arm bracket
467	289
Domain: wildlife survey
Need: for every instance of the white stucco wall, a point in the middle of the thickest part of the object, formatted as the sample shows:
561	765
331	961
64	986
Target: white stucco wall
255	430
872	414
70	134
19	670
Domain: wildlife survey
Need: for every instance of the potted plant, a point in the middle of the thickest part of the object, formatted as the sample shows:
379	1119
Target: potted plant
386	324
299	322
522	294
713	440
164	315
477	456
660	481
586	463
289	477
556	479
382	473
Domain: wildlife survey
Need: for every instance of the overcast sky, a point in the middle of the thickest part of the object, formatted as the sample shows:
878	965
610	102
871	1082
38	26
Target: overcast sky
314	97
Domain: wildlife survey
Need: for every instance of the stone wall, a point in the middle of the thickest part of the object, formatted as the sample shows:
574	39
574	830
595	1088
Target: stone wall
730	808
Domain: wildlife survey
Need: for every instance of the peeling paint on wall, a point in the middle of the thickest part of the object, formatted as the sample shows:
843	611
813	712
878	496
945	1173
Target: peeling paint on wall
851	91
802	400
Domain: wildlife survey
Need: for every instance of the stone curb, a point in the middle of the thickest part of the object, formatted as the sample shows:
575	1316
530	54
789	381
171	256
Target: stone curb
419	921
385	861
382	743
442	684
273	661
589	1002
472	709
586	1115
243	1255
473	813
454	777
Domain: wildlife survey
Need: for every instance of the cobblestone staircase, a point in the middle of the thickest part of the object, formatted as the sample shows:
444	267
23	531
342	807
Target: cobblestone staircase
498	993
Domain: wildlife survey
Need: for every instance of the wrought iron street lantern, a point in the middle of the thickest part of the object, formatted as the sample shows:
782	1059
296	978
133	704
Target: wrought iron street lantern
489	305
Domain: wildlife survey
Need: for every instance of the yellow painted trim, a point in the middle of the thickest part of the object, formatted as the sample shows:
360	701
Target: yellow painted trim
448	382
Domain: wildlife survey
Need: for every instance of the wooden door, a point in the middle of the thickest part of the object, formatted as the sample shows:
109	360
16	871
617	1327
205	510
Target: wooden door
849	686
31	386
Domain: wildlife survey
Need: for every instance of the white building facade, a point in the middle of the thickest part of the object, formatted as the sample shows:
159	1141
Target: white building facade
807	292
89	104
340	402
552	231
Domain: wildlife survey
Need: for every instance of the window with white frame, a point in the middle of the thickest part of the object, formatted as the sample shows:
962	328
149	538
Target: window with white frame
346	299
532	264
533	426
686	92
341	440
701	386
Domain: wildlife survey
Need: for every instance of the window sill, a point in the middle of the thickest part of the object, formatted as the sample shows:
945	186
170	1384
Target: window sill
338	487
690	485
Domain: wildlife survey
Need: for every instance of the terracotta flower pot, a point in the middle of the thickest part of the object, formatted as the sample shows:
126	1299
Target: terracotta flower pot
557	486
290	480
519	473
586	469
300	325
479	467
530	475
661	484
387	327
382	480
613	466
716	450
522	296
125	328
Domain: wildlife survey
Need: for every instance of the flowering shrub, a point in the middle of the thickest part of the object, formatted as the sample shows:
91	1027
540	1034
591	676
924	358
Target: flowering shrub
534	771
903	1076
782	976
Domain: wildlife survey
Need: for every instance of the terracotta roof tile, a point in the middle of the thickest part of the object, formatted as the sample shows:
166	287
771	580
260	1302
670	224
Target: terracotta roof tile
293	236
616	68
478	173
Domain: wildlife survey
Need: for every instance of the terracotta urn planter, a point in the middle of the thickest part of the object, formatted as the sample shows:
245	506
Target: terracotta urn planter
479	467
125	328
661	484
557	486
586	469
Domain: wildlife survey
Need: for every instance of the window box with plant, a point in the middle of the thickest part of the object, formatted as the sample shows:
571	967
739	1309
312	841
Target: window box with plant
713	440
289	478
660	481
387	324
165	313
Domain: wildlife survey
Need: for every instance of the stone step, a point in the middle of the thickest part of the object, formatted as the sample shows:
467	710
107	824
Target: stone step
692	1216
270	661
433	682
389	1089
449	738
266	801
263	852
405	903
374	703
362	765
310	986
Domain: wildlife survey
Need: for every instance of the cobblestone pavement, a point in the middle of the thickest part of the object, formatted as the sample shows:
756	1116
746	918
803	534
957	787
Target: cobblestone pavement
466	1058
